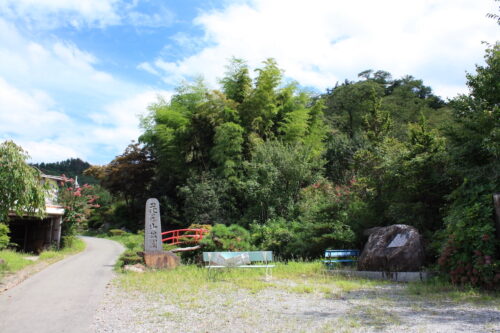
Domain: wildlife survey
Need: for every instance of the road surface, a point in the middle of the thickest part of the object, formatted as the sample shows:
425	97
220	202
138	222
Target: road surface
64	296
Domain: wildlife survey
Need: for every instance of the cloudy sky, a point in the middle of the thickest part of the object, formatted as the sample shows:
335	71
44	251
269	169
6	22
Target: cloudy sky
75	74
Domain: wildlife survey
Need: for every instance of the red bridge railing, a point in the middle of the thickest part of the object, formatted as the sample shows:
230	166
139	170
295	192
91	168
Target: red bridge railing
180	236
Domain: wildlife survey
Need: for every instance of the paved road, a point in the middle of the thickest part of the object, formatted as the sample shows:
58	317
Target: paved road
62	297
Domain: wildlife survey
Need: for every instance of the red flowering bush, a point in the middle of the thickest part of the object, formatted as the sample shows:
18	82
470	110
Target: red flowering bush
78	202
469	255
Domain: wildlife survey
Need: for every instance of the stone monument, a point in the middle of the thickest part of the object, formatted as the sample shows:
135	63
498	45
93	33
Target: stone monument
154	256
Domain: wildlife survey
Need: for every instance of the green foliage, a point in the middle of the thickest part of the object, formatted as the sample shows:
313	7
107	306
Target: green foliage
128	177
4	236
377	122
130	257
470	254
116	232
79	203
237	83
71	168
274	178
228	148
103	209
21	189
227	238
324	221
203	200
277	235
416	181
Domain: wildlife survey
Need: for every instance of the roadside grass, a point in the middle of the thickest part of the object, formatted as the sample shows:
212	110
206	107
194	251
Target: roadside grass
438	289
188	281
15	261
77	245
298	277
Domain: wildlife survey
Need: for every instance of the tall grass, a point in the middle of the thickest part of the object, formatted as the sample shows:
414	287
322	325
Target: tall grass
439	289
191	281
15	261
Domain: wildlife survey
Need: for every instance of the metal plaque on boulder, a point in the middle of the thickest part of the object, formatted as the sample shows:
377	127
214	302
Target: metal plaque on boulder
152	230
399	240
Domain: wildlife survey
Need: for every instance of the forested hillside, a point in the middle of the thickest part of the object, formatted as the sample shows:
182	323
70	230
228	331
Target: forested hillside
71	168
280	168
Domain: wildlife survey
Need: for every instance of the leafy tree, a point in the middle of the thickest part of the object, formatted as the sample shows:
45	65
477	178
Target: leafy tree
237	83
470	254
79	203
259	109
128	176
207	200
417	182
346	105
324	220
227	238
21	189
274	178
227	151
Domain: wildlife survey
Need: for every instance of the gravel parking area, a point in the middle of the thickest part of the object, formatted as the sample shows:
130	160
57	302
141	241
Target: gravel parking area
385	308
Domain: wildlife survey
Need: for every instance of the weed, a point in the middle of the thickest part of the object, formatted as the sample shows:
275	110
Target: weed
439	290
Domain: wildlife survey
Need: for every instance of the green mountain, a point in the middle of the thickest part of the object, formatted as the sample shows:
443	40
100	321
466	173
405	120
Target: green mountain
71	168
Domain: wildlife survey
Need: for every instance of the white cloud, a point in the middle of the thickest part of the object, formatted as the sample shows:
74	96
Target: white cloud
34	111
52	14
320	42
56	104
162	17
55	13
120	119
33	121
49	151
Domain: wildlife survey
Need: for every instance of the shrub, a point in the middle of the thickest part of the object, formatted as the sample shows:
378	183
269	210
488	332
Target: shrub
116	232
67	241
469	255
4	236
277	235
130	257
323	218
227	238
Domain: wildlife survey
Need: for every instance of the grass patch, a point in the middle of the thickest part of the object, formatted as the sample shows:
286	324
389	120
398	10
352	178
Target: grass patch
15	261
439	290
375	316
77	245
188	281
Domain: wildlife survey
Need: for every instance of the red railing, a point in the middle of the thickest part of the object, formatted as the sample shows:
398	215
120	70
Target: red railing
181	236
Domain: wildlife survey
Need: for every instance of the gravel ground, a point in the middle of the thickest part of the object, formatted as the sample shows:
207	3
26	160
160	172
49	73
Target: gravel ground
386	308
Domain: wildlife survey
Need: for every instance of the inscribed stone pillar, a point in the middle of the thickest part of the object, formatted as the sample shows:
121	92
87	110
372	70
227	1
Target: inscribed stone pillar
152	230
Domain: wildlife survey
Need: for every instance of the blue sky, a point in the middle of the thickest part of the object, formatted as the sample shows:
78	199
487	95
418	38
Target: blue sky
76	75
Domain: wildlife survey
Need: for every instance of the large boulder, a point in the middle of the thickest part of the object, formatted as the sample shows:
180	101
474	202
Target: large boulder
396	248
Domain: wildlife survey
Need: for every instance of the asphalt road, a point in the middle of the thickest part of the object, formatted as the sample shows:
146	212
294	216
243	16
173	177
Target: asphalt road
64	296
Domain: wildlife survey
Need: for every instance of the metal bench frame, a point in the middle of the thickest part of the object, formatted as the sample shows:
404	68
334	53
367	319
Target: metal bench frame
329	254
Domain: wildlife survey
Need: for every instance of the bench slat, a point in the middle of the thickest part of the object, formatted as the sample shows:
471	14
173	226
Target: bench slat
242	266
253	255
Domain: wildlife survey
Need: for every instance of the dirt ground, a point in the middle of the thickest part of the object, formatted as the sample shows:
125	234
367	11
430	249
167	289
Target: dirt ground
384	308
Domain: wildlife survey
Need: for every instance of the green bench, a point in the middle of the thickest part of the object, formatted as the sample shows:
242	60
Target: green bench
246	259
332	257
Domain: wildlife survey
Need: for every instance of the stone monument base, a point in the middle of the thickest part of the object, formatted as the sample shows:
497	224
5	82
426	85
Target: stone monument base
161	259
